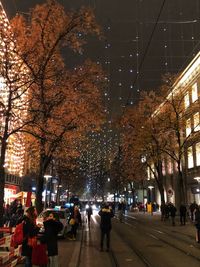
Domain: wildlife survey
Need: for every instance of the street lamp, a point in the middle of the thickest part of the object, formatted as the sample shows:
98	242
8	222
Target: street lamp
46	176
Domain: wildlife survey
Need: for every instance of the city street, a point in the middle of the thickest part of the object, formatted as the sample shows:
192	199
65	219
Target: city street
141	240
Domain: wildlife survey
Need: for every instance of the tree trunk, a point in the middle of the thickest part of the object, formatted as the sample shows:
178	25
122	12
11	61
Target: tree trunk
159	181
182	185
2	179
40	188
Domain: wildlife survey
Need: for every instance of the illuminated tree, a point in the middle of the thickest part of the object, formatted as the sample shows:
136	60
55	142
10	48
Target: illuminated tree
63	102
144	138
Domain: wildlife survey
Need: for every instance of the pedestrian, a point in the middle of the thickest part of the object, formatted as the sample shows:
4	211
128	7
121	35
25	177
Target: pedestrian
89	213
16	218
106	214
162	209
30	230
172	211
197	223
76	216
121	211
6	215
52	226
193	206
183	212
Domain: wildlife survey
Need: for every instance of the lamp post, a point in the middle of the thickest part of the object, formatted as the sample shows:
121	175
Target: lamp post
46	176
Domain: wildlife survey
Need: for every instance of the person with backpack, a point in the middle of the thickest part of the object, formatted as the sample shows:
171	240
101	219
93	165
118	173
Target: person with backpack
30	230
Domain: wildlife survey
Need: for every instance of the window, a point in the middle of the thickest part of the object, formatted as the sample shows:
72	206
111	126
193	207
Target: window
196	122
194	92
190	158
198	154
188	127
187	100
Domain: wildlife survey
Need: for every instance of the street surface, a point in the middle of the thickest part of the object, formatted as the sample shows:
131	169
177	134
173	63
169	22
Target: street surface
141	240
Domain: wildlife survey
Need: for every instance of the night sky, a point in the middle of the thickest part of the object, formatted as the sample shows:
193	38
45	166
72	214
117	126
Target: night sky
143	40
136	51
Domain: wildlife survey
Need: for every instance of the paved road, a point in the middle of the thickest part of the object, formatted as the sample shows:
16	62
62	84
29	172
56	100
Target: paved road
141	240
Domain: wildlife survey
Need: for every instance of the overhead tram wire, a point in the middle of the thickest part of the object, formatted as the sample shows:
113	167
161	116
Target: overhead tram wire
146	50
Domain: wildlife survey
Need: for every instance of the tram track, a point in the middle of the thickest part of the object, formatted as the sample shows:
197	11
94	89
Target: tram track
138	254
168	233
170	244
135	251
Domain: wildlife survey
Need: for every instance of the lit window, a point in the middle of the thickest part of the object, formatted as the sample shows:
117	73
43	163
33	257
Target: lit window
196	122
188	127
187	100
198	154
194	92
190	158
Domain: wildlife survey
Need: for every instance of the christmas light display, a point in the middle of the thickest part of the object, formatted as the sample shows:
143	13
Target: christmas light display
12	92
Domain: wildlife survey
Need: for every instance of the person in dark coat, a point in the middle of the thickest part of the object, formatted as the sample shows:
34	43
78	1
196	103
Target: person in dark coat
30	230
172	211
193	206
183	212
162	209
89	213
197	223
52	227
76	215
106	214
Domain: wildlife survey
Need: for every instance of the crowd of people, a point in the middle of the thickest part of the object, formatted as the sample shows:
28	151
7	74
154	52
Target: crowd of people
14	215
33	237
13	212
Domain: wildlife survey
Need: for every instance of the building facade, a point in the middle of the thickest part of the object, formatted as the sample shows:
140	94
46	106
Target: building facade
188	86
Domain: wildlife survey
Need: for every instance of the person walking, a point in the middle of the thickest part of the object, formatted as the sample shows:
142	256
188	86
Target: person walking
77	221
183	212
89	213
162	209
172	211
30	230
197	223
192	208
106	214
121	211
52	226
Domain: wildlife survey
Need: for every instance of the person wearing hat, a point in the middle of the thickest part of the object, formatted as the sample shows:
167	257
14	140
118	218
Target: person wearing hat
106	214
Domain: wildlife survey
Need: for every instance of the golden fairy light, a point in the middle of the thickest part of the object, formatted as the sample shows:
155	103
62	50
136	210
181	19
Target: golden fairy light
12	85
